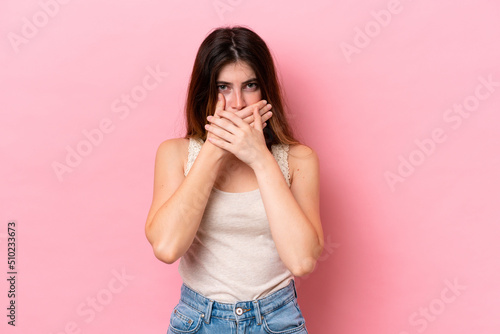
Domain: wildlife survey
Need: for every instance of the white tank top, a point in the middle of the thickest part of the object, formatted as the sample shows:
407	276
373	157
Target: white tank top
233	256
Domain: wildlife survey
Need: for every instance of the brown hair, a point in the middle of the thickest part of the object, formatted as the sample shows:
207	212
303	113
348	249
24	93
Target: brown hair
224	46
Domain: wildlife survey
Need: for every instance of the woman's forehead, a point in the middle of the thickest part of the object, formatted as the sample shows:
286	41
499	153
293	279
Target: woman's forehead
238	71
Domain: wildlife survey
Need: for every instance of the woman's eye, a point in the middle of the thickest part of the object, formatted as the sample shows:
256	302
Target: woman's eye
222	87
252	86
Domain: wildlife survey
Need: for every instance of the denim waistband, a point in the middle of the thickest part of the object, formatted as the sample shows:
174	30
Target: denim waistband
240	310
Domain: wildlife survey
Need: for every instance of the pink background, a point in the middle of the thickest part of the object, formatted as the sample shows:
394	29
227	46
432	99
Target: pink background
373	94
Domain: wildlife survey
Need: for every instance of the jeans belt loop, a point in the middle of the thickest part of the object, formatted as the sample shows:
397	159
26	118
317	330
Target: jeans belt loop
208	312
257	312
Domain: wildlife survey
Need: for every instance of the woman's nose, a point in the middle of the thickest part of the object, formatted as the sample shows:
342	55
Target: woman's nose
238	101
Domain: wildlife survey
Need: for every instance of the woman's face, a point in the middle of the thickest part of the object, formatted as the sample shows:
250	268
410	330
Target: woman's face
238	83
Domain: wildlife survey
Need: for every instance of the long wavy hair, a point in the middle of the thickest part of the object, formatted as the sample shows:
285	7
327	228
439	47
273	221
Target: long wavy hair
227	45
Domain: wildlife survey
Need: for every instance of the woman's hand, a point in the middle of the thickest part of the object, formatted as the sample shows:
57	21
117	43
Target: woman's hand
247	115
240	133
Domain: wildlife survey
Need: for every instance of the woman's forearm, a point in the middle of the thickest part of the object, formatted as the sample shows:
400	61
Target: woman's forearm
174	226
296	239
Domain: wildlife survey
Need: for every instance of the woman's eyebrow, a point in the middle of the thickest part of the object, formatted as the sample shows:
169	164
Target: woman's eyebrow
229	83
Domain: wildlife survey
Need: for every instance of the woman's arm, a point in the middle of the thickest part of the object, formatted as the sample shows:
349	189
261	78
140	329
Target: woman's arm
293	213
179	202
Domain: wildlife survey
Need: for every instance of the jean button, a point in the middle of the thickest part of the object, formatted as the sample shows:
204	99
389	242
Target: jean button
239	311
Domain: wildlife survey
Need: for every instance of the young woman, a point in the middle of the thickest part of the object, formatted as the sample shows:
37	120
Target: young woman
236	199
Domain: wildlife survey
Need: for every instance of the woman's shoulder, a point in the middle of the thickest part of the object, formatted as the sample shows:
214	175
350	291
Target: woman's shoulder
174	144
301	156
300	150
174	149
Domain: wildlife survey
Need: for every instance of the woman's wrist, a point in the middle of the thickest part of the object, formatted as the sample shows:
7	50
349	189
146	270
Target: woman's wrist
213	150
262	160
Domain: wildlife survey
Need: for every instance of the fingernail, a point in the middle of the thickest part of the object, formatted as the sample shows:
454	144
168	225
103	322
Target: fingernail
219	97
209	117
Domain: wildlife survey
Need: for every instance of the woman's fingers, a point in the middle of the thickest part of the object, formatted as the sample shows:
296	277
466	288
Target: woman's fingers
247	113
265	113
234	118
265	117
219	132
222	123
257	120
221	103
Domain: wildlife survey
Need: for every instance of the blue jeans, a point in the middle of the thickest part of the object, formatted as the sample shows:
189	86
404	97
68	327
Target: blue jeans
278	313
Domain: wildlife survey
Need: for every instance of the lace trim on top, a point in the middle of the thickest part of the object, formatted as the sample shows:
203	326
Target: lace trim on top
194	149
279	151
